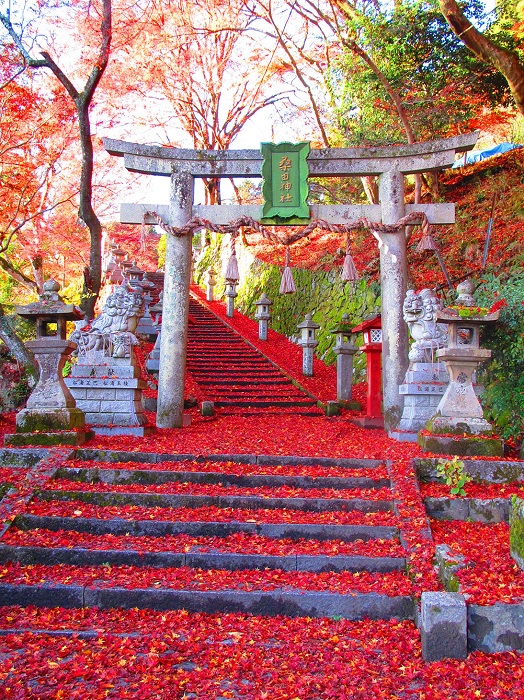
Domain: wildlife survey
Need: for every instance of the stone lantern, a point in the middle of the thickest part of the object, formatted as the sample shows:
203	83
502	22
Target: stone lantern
459	413
51	416
230	294
119	255
211	282
146	326
345	349
372	331
263	314
134	275
308	342
153	360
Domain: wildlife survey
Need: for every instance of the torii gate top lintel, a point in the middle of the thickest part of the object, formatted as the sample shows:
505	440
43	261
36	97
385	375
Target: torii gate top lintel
324	162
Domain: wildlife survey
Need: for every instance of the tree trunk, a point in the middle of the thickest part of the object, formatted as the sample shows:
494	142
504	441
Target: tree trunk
22	355
505	61
86	212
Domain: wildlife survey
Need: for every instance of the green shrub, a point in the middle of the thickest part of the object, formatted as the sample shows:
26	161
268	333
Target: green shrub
503	377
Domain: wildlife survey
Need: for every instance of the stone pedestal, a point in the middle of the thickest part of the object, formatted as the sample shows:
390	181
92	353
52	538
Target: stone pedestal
110	396
231	295
51	416
423	388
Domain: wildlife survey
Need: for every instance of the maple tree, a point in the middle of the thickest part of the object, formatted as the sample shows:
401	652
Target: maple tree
19	30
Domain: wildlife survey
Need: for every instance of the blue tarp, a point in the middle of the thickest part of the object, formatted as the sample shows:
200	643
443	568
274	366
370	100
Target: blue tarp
476	156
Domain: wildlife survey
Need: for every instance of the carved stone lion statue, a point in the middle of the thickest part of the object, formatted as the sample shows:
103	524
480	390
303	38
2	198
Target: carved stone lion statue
113	332
420	313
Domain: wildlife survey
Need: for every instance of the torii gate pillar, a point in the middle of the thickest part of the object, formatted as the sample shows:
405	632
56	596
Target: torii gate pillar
393	280
170	403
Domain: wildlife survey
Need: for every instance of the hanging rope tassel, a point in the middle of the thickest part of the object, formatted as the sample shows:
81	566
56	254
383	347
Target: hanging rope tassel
349	271
287	284
232	265
427	242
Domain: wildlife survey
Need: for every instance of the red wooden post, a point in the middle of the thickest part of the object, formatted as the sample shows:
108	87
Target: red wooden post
372	331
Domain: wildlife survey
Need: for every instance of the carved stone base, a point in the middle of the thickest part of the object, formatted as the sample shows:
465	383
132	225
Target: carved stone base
109	395
64	437
49	420
445	425
369	421
472	446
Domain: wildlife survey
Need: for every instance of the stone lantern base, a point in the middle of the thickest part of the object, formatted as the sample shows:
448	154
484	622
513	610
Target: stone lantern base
465	446
61	426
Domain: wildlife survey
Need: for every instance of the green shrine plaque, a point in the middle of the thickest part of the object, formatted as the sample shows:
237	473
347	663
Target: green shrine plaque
285	188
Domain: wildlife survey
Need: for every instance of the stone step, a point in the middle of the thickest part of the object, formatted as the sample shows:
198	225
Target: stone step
163	500
262	460
257	403
78	556
162	528
245	382
289	602
152	476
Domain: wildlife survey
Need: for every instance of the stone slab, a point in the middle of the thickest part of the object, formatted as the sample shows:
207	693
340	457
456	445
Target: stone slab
159	528
443	626
496	628
104	372
422	388
21	458
491	510
403	435
44	595
492	471
73	437
153	476
276	602
129	430
462	447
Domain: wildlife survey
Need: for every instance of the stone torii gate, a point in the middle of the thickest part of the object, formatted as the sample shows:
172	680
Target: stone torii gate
389	163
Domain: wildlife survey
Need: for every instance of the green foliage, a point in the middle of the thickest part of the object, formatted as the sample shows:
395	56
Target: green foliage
161	250
503	377
452	471
440	83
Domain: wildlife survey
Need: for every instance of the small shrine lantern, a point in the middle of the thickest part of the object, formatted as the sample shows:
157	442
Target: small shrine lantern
153	360
119	255
308	342
211	282
231	294
344	349
134	275
372	331
263	315
51	408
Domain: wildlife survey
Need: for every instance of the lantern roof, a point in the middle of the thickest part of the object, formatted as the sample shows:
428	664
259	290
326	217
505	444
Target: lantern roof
368	324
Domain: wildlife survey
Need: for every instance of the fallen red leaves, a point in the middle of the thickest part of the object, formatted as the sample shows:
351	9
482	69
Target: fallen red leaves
185	578
145	654
491	575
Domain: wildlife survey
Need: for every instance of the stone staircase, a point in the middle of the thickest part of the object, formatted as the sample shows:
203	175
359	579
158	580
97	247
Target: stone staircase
236	376
265	535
